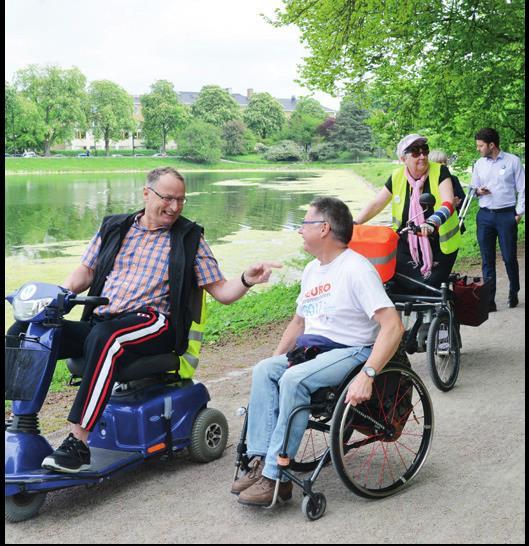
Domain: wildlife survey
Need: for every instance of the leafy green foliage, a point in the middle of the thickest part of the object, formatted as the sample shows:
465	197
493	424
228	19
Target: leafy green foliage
111	110
216	106
304	122
59	101
264	115
286	150
23	126
443	68
350	132
236	138
163	114
200	142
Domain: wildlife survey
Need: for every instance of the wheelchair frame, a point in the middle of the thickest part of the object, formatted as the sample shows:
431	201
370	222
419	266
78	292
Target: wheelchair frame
325	406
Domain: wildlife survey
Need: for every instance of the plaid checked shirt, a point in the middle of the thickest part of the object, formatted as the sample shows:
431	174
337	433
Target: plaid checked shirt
140	276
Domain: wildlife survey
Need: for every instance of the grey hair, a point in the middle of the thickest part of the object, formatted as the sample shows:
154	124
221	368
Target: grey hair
438	156
337	214
155	174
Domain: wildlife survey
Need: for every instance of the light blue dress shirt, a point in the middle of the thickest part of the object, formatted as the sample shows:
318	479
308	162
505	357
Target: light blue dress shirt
504	177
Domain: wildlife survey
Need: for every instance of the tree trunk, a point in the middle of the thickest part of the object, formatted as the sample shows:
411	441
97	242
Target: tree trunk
107	146
47	148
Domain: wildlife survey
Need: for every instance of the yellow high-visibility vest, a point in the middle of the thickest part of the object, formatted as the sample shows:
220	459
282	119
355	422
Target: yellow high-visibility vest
449	234
189	360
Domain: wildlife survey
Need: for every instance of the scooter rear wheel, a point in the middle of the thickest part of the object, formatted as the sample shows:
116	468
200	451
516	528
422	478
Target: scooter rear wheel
209	436
23	506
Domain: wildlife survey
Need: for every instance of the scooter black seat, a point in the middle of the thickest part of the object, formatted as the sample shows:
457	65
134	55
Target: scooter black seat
143	367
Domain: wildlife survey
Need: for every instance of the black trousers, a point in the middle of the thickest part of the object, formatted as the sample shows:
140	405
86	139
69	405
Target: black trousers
106	345
442	267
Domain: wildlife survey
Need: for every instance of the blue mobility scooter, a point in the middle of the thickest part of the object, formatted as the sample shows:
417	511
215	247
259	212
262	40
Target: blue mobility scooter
151	412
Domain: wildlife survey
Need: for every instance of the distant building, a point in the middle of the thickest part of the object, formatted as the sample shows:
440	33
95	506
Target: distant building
85	139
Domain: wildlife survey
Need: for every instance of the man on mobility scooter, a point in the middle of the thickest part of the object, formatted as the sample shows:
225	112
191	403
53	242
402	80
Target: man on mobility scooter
151	265
344	319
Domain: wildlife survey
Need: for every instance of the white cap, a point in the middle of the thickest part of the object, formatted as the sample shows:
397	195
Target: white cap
407	141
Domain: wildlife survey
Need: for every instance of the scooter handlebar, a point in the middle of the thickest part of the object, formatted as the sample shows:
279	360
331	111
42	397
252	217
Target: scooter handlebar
90	300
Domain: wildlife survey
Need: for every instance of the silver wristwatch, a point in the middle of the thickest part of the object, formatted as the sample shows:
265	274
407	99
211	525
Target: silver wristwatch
370	372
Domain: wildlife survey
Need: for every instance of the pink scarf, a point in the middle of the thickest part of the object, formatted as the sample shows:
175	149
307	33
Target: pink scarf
417	214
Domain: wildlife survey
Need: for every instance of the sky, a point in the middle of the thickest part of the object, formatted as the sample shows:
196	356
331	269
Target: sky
136	42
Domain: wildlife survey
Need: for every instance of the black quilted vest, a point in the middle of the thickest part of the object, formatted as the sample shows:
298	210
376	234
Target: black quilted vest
185	237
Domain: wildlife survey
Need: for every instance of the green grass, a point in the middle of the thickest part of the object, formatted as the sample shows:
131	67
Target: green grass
41	165
253	311
375	172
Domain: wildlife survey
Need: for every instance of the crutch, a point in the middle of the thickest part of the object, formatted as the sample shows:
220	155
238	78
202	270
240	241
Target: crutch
466	204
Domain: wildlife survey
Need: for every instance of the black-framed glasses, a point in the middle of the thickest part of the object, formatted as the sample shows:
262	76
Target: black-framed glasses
416	151
180	201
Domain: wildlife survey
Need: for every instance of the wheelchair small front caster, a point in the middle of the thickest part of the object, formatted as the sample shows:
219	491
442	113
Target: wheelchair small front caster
314	507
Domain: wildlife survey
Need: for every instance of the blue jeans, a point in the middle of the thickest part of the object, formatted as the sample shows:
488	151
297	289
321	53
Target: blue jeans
277	390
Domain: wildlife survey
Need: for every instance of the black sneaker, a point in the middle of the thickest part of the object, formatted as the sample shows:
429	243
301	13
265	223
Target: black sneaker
72	456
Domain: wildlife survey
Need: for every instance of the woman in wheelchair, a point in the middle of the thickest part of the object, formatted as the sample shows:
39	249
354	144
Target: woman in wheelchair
344	320
430	255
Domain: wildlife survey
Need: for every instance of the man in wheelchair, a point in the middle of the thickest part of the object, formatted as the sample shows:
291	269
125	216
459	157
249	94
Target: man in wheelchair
343	319
152	265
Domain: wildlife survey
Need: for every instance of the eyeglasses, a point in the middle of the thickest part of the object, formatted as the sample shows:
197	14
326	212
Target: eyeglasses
305	222
168	199
416	151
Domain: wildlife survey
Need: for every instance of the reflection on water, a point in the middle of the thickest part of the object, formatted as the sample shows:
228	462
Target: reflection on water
44	211
248	217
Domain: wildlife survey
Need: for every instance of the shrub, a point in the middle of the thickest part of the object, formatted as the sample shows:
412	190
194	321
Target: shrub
286	150
200	142
322	152
260	148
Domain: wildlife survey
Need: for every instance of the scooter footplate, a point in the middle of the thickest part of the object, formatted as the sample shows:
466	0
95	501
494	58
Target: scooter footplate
102	463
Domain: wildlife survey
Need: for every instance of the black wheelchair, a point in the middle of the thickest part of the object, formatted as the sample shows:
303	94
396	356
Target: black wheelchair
376	447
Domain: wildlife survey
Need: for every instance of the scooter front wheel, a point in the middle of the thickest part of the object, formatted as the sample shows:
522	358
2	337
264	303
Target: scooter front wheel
23	506
209	436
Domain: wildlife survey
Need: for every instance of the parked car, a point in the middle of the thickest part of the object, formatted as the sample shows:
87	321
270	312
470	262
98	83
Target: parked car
161	154
29	154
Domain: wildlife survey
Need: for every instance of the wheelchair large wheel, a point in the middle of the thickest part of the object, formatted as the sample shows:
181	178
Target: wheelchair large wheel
443	356
314	445
378	446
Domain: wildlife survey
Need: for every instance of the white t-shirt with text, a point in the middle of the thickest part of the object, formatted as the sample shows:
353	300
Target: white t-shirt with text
338	300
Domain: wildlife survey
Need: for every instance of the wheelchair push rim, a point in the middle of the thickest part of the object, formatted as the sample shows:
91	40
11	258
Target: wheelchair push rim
380	445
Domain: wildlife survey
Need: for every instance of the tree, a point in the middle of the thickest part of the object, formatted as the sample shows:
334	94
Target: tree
163	114
305	120
23	127
350	132
200	142
111	110
60	100
446	67
264	115
216	106
236	138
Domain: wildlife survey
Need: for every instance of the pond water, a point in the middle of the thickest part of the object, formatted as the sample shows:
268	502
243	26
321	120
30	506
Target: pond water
248	216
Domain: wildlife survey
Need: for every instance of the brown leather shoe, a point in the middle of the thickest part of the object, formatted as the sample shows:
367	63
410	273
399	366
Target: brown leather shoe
252	476
261	493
